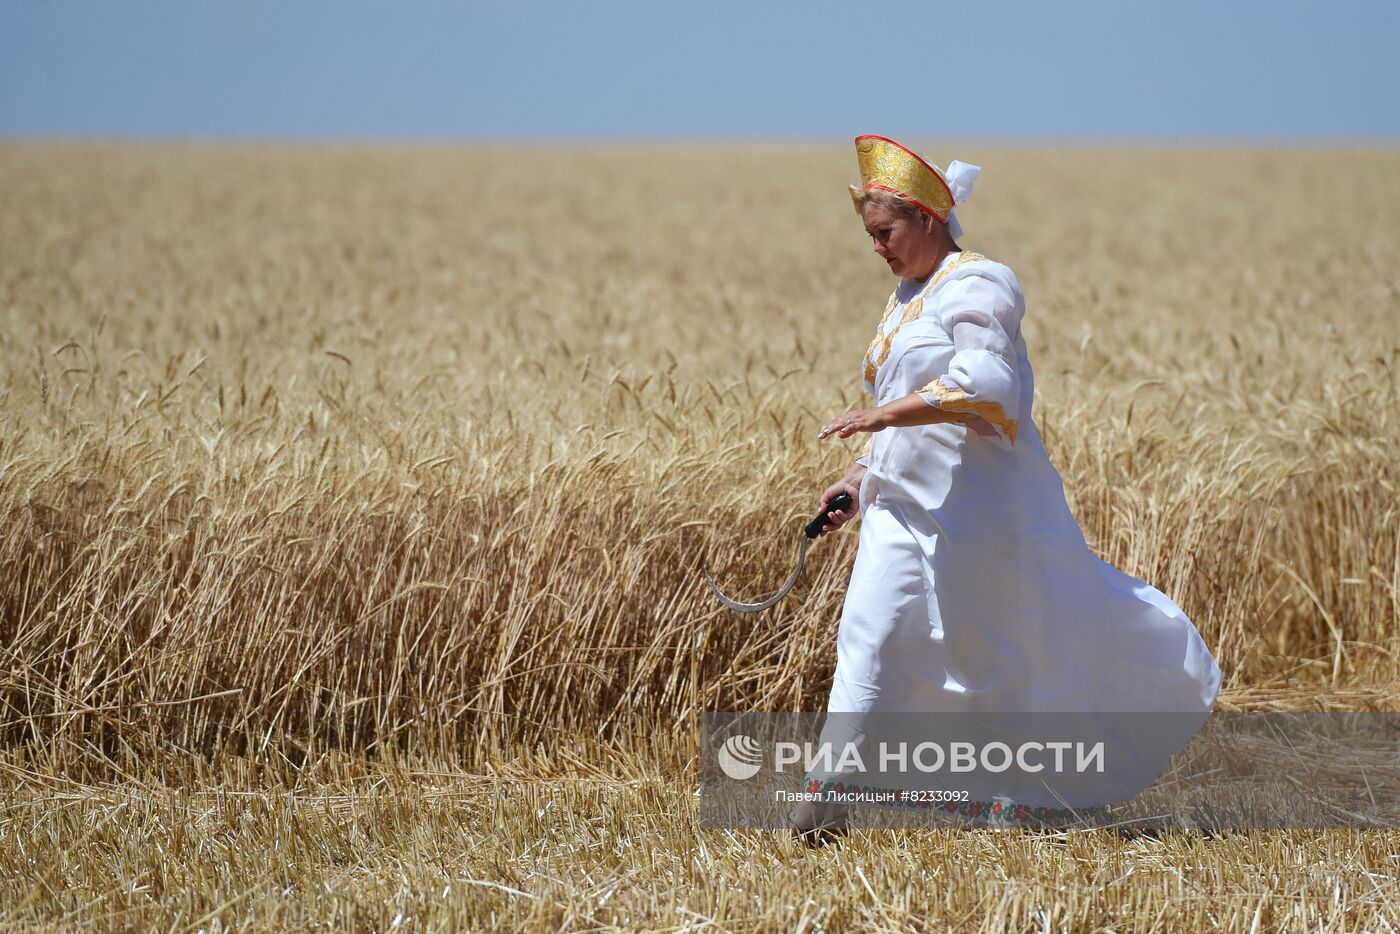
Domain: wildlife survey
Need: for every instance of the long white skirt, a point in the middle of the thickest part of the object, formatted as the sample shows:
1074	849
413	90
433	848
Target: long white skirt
1017	616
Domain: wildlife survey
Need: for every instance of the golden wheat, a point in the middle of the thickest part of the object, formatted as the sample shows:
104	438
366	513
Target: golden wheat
355	501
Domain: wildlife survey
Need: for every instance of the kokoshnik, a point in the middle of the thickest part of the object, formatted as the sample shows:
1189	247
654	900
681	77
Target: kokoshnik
973	589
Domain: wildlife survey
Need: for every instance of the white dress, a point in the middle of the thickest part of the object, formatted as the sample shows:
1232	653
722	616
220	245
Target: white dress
973	588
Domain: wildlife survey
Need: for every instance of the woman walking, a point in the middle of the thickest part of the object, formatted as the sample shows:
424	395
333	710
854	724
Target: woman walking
973	589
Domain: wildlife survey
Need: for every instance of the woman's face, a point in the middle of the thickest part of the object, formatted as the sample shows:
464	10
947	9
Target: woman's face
908	245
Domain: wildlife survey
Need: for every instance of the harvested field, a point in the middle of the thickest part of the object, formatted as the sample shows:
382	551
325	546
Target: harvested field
355	499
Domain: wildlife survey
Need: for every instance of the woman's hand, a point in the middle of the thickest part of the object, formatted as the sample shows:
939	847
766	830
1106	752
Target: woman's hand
850	483
854	421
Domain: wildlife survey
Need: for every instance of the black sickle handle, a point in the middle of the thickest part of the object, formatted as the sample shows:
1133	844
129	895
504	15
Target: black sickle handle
838	503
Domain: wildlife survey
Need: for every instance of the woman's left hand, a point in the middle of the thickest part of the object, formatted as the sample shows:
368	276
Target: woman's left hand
854	421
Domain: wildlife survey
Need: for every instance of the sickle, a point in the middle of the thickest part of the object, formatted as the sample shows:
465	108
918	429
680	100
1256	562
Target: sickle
839	502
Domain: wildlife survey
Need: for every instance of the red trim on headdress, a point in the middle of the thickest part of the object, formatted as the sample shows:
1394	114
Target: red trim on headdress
936	174
915	201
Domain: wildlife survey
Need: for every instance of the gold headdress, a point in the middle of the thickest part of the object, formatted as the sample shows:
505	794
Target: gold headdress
888	166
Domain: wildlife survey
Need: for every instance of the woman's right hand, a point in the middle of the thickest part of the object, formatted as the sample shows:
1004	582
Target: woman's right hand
847	484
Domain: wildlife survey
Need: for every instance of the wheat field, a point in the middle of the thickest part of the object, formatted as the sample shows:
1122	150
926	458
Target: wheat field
355	500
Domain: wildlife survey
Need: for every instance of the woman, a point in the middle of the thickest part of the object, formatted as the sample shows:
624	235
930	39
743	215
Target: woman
973	589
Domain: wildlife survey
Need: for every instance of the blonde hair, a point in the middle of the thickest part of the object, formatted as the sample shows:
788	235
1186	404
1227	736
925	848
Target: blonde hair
903	207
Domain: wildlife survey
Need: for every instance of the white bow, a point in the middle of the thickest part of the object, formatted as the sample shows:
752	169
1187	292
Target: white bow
960	176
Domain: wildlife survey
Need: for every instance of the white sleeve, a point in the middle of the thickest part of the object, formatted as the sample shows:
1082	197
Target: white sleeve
984	316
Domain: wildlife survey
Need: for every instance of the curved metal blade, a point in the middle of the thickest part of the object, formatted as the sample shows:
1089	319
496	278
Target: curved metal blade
762	604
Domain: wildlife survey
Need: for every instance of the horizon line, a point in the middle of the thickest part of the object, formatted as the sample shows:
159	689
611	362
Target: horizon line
703	139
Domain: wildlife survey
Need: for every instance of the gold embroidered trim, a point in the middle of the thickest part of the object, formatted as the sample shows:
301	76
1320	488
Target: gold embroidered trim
870	352
880	347
890	166
955	400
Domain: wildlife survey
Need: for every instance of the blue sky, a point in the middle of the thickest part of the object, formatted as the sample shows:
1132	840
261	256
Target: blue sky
1069	70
